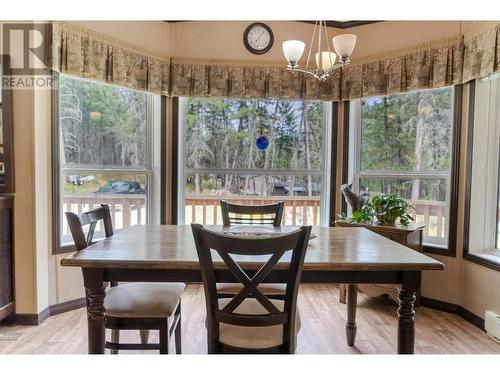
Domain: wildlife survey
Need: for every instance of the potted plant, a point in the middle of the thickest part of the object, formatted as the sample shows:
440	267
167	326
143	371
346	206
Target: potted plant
385	208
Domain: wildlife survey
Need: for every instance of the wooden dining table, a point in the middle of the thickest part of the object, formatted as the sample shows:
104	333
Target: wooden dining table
162	253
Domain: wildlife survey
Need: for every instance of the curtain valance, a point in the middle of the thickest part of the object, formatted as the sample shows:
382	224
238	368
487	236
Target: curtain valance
87	54
451	61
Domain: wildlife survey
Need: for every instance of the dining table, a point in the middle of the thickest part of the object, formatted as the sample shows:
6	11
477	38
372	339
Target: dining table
167	253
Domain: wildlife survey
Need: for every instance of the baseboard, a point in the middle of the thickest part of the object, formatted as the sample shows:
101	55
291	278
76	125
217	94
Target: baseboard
36	319
32	319
67	306
454	309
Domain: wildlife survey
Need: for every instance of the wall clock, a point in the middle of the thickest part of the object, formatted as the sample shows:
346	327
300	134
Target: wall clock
258	38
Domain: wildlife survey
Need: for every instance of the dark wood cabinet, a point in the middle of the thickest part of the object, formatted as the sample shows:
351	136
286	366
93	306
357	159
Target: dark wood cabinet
6	257
6	133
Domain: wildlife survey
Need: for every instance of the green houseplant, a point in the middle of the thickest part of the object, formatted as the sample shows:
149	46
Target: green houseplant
385	208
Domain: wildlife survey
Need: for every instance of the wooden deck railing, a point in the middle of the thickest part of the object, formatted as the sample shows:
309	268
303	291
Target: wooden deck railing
128	210
298	210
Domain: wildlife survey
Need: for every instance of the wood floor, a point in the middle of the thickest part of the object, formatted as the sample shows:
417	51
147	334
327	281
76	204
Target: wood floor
323	319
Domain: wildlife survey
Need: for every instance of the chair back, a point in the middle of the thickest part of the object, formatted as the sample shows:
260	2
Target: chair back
273	247
239	214
91	218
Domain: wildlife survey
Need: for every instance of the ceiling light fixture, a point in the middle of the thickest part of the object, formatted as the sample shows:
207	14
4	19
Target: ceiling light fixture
325	60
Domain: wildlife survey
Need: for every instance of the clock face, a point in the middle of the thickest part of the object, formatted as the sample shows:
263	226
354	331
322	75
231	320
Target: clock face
258	38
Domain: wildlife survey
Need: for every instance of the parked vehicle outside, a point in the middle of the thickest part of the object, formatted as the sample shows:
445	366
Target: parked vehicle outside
121	187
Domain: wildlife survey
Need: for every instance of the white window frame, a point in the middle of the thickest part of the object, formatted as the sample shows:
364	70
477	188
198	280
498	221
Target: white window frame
323	171
355	174
152	171
485	174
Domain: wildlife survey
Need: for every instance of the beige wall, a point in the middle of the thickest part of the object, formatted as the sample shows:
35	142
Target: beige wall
151	35
40	281
224	40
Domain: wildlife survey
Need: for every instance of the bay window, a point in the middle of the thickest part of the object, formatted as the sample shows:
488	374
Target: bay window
402	144
105	154
482	220
253	152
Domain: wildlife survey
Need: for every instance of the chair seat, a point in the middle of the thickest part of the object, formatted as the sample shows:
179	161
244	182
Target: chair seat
143	300
253	337
267	289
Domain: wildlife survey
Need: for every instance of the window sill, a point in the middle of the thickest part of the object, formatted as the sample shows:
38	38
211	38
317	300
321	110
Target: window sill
438	250
489	258
64	249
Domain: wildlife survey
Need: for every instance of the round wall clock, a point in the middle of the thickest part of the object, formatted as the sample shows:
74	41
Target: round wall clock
258	38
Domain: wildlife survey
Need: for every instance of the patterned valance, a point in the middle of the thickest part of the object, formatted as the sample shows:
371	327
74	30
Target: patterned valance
445	62
87	54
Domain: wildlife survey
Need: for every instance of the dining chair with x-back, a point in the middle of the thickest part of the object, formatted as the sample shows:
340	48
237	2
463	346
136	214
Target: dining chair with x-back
250	321
267	215
132	306
270	214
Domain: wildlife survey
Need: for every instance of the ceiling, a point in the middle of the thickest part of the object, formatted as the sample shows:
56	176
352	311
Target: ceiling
335	24
343	24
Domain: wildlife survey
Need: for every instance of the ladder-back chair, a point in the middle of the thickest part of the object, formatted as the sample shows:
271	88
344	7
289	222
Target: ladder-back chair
132	306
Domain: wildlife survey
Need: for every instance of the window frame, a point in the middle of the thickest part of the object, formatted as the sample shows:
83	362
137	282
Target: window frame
155	184
474	257
326	163
355	173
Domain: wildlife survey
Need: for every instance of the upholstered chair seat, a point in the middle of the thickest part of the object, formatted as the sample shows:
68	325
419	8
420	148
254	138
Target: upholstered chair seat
253	337
267	289
133	306
143	300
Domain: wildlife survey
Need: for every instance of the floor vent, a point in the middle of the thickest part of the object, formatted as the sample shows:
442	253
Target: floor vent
9	334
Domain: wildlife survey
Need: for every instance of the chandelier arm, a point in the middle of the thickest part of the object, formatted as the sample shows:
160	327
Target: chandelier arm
310	45
320	56
328	45
335	67
303	71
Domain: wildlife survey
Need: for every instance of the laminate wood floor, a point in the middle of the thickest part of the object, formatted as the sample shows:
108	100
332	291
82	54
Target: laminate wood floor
323	322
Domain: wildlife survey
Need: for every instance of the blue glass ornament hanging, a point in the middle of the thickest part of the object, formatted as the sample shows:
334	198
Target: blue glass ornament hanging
262	142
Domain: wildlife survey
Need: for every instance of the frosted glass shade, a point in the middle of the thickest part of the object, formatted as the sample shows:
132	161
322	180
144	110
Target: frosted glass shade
327	60
293	49
344	44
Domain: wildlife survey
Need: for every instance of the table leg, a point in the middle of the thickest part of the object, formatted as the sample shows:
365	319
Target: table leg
95	292
406	313
352	301
342	293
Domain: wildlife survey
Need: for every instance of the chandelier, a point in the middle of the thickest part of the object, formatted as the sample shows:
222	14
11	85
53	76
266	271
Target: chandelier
325	59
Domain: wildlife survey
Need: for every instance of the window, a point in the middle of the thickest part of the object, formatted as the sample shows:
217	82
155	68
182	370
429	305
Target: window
482	232
106	153
252	152
402	144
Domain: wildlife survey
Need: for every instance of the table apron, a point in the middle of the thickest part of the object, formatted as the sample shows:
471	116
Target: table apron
194	276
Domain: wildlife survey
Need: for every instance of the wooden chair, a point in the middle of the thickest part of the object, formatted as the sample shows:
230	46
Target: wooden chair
239	214
132	306
251	321
247	216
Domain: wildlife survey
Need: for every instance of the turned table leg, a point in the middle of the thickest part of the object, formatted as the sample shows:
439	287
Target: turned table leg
406	312
95	292
352	301
342	293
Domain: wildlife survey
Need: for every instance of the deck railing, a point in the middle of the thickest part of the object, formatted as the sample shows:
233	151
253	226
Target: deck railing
130	209
298	210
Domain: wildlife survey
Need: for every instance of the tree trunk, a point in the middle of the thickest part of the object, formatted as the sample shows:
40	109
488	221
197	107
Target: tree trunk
250	153
419	142
386	189
307	146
